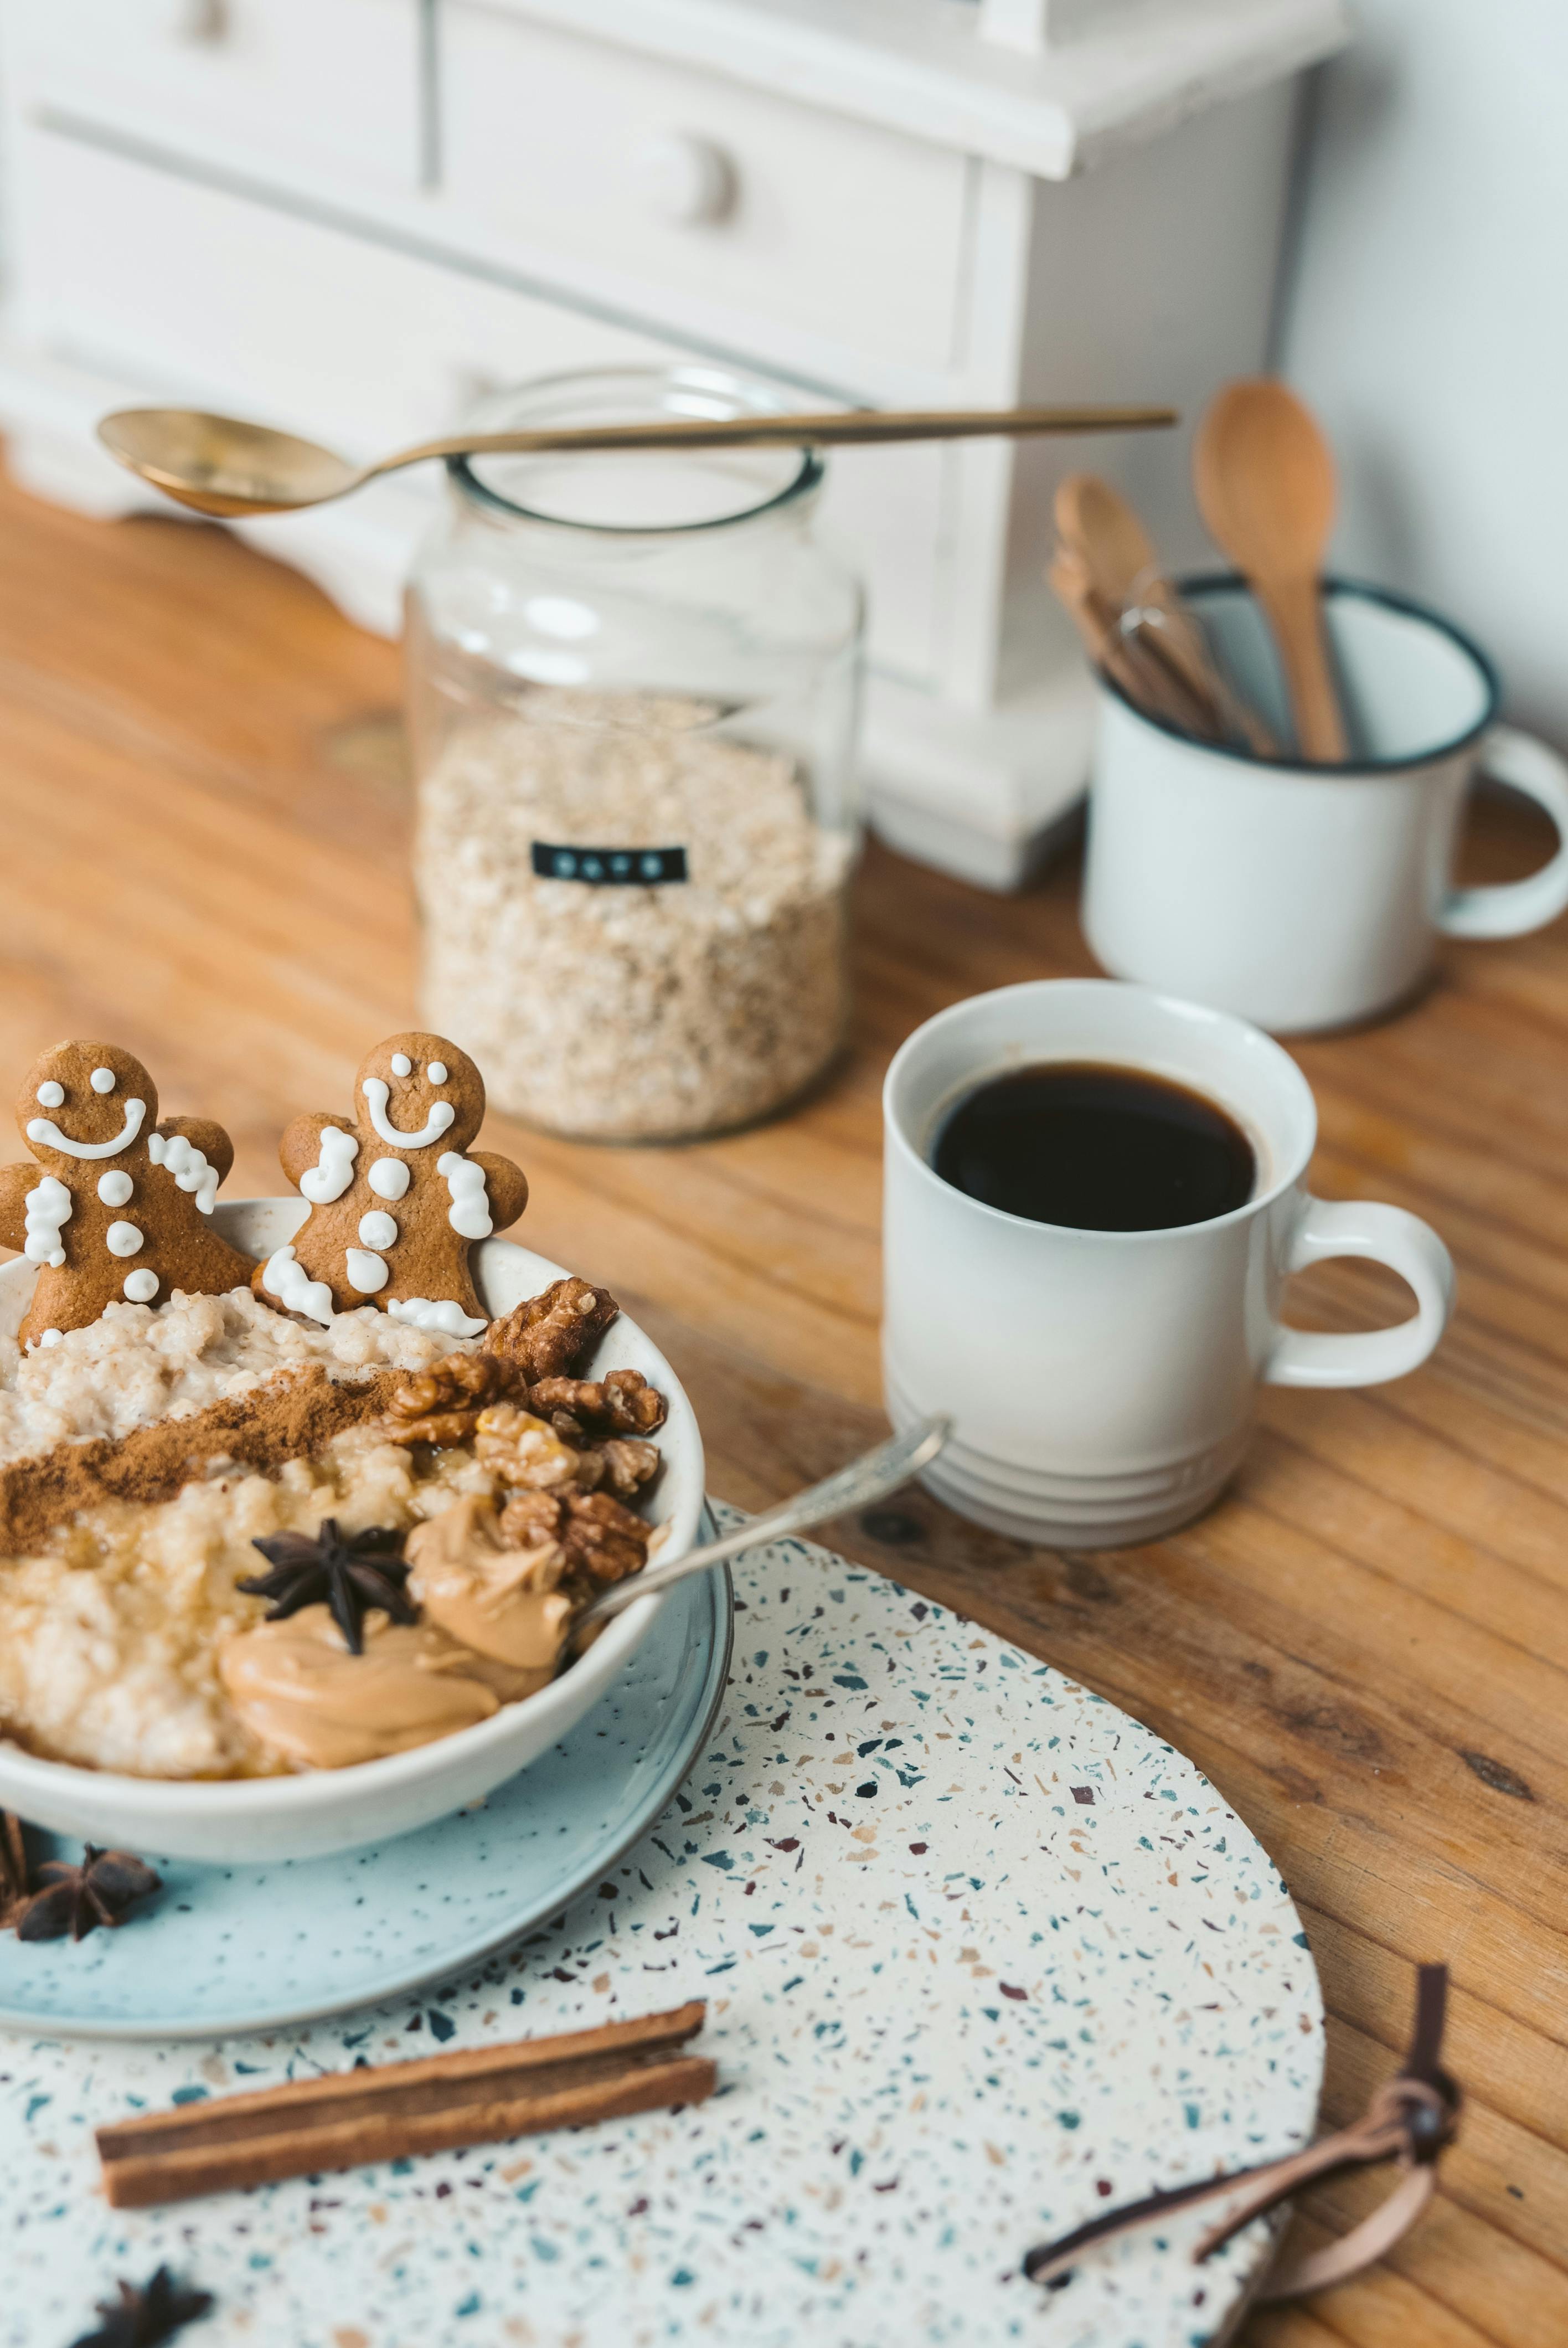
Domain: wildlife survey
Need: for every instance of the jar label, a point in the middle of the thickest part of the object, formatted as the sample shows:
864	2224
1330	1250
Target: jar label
610	868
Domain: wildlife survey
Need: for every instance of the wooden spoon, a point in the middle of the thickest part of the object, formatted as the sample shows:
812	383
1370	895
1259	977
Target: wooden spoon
1104	532
1263	474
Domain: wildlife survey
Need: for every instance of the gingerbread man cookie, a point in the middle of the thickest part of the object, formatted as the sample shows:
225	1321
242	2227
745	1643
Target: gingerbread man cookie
118	1204
396	1200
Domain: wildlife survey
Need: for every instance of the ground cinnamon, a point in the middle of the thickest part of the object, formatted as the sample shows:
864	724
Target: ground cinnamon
293	1416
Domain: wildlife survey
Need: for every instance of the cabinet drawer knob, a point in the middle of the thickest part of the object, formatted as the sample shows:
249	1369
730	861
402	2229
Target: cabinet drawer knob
200	20
683	178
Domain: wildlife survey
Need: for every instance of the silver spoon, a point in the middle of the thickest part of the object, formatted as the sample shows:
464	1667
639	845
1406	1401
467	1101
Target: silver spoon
856	1486
219	465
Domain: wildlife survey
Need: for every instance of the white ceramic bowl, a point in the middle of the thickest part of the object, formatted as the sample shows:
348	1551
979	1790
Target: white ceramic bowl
263	1818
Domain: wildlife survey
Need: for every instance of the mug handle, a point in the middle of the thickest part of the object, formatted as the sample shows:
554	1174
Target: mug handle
1388	1235
1508	911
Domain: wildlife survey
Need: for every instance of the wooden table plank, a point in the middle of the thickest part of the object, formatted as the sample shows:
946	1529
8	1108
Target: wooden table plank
1365	1645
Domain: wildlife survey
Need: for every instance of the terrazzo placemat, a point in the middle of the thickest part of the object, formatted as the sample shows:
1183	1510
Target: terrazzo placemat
979	1952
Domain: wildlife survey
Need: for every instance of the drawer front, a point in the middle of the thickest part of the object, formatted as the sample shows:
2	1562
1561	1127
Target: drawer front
217	298
330	88
675	181
206	296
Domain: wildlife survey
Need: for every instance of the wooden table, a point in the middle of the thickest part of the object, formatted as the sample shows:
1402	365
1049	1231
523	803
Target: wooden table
1365	1645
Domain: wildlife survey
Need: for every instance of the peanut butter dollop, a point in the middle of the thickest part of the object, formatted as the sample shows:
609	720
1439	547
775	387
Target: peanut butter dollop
504	1603
296	1686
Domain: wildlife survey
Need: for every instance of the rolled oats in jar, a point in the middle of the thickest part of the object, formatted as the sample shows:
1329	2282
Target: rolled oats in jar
633	685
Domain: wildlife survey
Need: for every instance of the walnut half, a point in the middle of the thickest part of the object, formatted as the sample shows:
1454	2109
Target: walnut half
622	1465
555	1334
601	1541
521	1450
442	1405
601	1538
621	1403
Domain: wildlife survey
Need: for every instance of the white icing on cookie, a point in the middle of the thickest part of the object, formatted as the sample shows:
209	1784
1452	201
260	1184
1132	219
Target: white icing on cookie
437	1072
190	1168
286	1278
102	1080
141	1285
42	1128
50	1337
48	1212
470	1209
446	1318
115	1188
402	1065
377	1092
333	1172
377	1230
366	1273
50	1095
389	1178
123	1238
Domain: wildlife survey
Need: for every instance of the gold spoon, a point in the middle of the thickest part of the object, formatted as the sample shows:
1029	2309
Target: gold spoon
1263	474
222	466
870	1477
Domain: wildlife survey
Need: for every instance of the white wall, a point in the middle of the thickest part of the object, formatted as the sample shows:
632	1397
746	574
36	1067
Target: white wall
1426	317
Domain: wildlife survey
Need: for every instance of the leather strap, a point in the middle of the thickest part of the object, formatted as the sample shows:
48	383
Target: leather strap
1410	2119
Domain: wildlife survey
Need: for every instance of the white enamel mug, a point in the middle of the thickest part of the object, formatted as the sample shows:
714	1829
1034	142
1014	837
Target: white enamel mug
1104	1383
1308	897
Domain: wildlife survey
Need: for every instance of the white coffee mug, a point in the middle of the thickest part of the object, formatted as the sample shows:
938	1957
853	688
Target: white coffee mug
1104	1383
1308	897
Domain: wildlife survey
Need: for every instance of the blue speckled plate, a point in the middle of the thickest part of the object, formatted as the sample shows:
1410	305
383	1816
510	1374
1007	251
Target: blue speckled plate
224	1950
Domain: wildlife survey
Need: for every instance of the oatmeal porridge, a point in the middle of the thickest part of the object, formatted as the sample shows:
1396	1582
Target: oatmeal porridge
146	1458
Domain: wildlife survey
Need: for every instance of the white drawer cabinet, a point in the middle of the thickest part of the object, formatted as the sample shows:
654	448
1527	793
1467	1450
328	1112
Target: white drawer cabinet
354	217
677	181
331	86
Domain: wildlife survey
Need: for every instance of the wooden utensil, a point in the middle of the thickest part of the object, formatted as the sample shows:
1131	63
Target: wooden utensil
1150	685
1099	525
1265	480
397	2109
222	466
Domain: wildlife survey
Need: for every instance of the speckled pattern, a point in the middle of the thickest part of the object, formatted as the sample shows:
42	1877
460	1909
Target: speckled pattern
978	1951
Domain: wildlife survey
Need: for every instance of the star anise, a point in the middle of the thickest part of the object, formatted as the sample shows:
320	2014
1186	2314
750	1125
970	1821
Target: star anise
78	1899
148	2317
348	1573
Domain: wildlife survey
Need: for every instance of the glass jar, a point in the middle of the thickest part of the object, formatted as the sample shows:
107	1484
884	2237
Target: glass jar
633	684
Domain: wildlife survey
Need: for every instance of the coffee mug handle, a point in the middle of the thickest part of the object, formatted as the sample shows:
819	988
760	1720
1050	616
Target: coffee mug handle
1508	911
1368	1358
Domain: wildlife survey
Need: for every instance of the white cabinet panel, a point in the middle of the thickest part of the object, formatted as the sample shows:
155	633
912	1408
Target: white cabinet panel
684	182
329	86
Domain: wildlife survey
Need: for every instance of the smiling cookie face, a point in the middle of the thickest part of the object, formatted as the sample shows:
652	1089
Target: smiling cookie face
85	1101
420	1092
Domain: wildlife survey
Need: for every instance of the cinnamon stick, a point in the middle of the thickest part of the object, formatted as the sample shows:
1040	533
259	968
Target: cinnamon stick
438	2104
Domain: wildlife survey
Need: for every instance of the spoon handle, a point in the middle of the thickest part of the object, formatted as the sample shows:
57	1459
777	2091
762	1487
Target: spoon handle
1295	609
833	428
870	1478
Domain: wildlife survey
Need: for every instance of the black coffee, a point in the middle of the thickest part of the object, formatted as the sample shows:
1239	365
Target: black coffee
1095	1148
